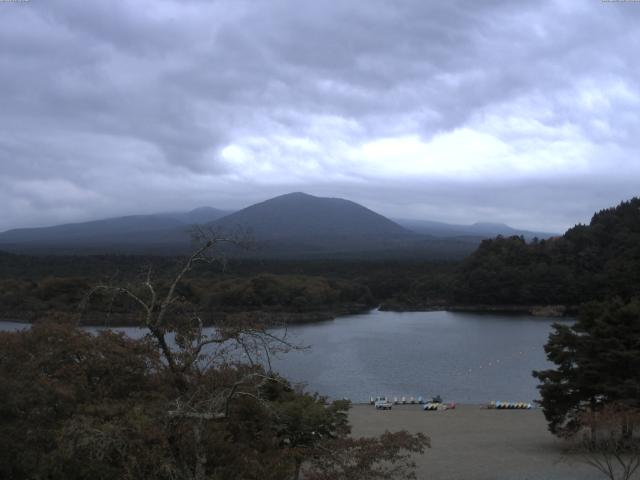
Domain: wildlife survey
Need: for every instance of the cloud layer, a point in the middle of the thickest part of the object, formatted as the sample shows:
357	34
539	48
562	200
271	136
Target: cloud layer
524	112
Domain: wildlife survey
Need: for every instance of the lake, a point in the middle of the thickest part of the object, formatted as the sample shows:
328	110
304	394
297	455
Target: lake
464	357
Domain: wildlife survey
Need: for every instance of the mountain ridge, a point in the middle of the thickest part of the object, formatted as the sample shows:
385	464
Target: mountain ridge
476	229
295	224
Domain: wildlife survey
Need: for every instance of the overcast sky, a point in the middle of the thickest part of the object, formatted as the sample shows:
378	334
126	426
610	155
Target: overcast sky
524	112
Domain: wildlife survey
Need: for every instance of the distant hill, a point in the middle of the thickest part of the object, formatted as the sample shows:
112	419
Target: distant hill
479	230
299	215
134	233
197	216
302	225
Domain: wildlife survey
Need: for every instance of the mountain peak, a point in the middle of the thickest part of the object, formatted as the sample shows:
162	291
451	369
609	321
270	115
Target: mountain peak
298	196
298	215
295	194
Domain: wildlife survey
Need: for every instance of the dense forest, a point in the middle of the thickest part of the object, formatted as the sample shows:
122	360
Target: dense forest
304	290
589	262
304	297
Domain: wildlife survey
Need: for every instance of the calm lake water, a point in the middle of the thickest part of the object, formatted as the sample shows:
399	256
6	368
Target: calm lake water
464	357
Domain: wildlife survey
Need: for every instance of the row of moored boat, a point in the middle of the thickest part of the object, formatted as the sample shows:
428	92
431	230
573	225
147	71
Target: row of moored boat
408	400
511	405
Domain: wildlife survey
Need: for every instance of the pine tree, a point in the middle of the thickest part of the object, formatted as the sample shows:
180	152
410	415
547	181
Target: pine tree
597	363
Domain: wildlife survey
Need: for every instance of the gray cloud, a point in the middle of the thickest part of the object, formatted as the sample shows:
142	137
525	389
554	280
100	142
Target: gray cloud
524	112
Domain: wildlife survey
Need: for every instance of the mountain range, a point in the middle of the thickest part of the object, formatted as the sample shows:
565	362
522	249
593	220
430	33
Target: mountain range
479	229
291	225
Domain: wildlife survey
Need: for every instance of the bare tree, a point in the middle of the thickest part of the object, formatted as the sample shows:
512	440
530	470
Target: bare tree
190	349
609	441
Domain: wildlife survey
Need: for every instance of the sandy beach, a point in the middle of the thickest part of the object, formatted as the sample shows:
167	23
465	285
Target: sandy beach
476	443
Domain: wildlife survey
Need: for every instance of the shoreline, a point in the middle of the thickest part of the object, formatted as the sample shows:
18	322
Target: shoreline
558	311
301	318
121	319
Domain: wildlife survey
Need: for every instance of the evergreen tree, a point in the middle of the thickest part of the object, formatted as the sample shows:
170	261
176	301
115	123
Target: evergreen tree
597	363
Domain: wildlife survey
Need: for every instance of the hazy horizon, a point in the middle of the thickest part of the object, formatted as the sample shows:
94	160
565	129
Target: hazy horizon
523	113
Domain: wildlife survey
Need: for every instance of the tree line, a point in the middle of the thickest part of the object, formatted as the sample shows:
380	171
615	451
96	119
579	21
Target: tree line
591	262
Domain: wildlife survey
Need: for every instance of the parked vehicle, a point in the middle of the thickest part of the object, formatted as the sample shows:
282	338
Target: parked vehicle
382	403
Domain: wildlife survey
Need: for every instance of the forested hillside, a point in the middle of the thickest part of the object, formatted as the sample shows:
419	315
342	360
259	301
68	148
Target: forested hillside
589	262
